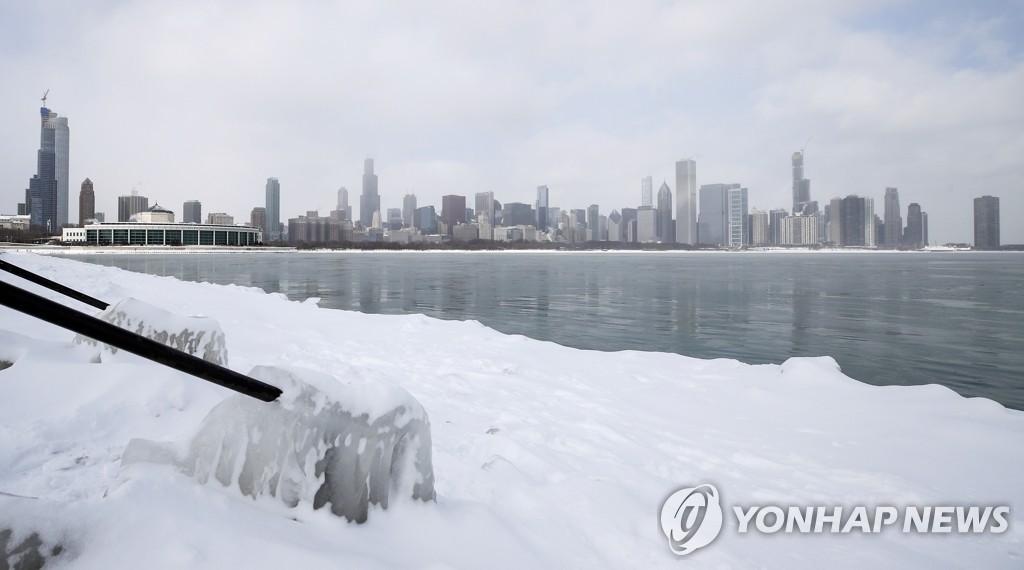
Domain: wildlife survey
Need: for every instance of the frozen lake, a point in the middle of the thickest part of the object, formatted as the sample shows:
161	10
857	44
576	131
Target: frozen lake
949	318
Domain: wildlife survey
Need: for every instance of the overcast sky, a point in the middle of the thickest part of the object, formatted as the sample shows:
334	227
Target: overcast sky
205	100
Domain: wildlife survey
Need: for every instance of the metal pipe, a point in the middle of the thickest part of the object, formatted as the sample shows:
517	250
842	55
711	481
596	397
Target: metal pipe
57	314
53	285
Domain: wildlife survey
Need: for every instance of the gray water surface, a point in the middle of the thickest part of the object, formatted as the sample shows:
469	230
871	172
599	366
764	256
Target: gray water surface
955	319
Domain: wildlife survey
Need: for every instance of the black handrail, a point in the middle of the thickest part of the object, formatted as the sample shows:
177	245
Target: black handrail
40	280
102	331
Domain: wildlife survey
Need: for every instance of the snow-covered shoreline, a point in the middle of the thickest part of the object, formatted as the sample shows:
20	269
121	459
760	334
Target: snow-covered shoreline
544	456
200	250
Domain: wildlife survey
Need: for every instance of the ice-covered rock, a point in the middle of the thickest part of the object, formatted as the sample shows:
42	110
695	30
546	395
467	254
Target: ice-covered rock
198	336
322	442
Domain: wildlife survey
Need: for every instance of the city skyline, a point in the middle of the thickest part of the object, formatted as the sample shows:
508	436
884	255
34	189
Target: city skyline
920	96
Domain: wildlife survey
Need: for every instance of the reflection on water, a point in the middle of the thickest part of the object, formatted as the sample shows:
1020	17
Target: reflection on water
948	318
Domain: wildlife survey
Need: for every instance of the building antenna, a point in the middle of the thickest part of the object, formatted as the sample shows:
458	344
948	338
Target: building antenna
44	97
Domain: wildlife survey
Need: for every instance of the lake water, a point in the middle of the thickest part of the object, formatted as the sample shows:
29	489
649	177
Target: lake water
954	318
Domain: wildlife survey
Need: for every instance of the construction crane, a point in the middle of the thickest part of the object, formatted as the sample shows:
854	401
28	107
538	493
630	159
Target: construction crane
44	97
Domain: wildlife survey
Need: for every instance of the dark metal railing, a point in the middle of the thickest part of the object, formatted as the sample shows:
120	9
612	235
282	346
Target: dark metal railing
53	285
102	331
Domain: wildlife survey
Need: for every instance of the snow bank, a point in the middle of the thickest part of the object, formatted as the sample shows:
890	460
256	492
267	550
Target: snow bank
544	456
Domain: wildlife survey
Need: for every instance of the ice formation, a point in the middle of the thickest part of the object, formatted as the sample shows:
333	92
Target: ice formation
314	444
198	336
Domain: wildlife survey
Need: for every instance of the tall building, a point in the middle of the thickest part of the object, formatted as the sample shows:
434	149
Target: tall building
713	221
801	186
775	218
800	230
425	220
666	230
857	221
594	223
86	203
517	214
738	229
50	190
394	220
485	206
343	203
273	206
369	201
646	224
258	218
914	236
192	213
647	191
759	226
42	195
835	222
893	222
629	223
542	208
986	222
686	201
615	226
453	211
408	209
128	206
924	228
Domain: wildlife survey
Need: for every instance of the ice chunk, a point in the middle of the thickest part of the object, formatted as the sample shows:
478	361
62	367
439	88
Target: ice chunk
198	336
325	447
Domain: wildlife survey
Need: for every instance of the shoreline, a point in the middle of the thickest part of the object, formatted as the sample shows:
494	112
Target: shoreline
193	250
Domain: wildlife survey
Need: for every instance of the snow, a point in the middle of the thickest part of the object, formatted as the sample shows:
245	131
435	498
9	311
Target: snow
543	456
299	447
199	336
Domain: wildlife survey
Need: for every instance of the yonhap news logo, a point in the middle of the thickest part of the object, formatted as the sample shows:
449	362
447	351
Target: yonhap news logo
692	517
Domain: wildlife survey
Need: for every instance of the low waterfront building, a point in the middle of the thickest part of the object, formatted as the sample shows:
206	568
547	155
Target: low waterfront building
141	233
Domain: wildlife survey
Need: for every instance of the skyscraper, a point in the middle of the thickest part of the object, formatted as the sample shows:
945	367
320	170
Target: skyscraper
738	228
42	195
128	206
51	188
647	191
775	218
369	201
857	221
453	211
485	206
759	226
258	219
666	231
542	208
273	206
686	201
801	185
646	224
86	202
343	203
593	222
714	213
408	209
914	236
986	222
615	226
192	213
893	221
